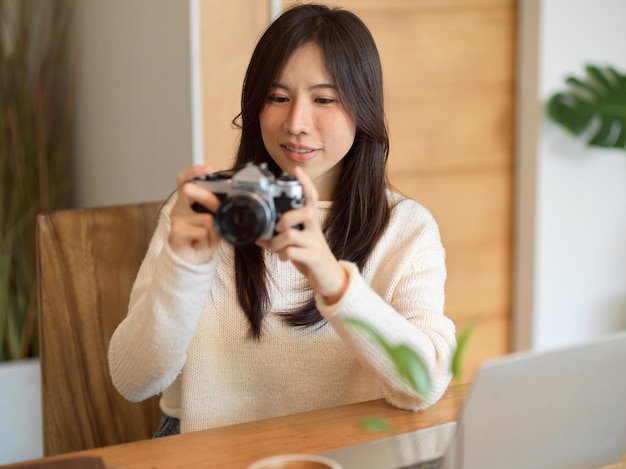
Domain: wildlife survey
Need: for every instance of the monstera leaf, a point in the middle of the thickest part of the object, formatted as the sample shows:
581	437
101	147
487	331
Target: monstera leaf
596	103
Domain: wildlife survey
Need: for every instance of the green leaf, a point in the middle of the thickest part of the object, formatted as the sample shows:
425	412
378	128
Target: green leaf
596	103
409	365
461	347
368	329
375	424
411	368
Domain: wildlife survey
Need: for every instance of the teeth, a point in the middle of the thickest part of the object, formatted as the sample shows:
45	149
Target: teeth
299	150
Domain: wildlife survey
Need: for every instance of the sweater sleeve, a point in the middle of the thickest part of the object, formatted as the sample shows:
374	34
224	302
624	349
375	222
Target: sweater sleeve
148	349
408	310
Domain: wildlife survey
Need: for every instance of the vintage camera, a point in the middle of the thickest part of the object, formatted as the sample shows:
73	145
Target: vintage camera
252	201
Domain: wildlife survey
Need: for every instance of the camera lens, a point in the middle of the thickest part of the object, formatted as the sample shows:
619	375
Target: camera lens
242	219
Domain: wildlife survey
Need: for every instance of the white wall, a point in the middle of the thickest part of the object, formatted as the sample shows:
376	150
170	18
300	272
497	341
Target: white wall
134	105
20	404
572	199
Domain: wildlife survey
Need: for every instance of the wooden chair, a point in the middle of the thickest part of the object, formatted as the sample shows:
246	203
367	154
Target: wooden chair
87	260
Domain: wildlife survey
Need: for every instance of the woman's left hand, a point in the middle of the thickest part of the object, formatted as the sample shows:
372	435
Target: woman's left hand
307	248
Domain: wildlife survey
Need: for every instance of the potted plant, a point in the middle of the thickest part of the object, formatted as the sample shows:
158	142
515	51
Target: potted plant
36	102
595	105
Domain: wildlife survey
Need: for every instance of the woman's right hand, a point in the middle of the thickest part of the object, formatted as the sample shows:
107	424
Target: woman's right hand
193	236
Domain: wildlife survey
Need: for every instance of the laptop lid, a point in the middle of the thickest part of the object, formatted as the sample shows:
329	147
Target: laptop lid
558	409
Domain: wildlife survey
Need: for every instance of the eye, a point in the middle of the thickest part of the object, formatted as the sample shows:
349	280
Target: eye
325	100
277	99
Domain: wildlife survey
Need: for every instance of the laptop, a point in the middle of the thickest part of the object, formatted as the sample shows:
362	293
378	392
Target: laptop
558	409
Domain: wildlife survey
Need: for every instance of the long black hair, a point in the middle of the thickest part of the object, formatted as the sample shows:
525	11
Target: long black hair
360	212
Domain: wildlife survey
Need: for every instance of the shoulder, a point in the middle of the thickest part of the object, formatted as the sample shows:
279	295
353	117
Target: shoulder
412	231
410	245
409	218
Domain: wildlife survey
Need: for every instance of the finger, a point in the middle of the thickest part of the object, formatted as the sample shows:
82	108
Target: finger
193	238
196	193
190	173
192	229
287	238
190	193
197	225
296	219
305	216
310	192
264	243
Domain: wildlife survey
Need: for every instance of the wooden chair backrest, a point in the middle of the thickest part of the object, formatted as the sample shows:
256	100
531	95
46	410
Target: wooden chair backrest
87	260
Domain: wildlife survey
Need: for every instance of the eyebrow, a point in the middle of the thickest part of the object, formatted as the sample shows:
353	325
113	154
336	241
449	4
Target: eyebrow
320	86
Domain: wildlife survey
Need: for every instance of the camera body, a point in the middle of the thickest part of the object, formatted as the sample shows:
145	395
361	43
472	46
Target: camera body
252	201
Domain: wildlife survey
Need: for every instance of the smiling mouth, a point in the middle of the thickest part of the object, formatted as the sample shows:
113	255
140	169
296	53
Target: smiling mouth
299	150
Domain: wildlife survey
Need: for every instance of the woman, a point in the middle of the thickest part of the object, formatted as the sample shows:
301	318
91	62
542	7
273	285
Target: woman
229	334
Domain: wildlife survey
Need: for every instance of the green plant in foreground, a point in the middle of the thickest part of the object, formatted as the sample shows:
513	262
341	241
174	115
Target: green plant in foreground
596	104
461	347
410	366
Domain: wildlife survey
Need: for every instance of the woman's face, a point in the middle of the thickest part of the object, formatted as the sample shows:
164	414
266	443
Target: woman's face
303	123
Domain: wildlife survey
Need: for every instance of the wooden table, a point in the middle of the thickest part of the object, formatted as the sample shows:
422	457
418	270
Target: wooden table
237	446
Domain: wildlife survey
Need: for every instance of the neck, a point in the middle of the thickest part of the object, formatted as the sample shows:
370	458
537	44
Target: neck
325	183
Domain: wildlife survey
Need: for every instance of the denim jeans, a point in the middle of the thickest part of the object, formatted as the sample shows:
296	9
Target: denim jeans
168	426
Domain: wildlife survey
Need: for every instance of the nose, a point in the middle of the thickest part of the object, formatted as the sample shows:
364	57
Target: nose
298	119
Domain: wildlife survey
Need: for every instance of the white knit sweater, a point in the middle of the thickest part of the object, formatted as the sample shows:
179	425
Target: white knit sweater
185	335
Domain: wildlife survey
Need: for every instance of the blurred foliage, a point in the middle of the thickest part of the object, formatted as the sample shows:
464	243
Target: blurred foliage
461	347
595	104
408	364
36	111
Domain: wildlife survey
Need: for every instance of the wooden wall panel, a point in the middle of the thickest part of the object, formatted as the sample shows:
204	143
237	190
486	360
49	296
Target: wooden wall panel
449	68
229	31
470	207
363	6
